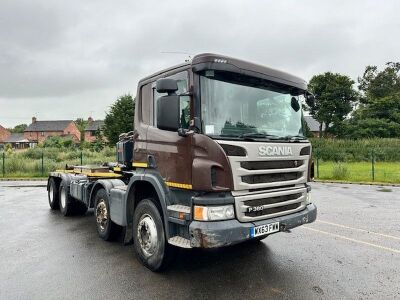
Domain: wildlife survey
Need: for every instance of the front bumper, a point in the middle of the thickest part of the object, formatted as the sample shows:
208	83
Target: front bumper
225	233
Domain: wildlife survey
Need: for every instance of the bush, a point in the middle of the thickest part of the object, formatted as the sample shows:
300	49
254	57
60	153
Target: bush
340	150
28	163
340	171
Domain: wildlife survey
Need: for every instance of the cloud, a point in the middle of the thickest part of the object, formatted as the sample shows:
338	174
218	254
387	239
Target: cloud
65	59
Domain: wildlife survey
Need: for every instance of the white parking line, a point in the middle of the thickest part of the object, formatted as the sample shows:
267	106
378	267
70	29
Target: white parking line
354	240
358	229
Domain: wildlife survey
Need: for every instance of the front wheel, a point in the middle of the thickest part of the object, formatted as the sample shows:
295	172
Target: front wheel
149	240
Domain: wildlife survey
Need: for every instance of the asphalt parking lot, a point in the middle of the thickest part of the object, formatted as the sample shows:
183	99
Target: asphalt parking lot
351	252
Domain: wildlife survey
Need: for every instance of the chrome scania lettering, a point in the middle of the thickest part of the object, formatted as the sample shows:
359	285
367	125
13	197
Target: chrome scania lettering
275	151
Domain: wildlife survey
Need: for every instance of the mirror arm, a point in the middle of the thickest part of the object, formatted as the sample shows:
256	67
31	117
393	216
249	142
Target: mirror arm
184	132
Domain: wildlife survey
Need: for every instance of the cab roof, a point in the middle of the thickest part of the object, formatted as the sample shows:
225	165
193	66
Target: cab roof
211	61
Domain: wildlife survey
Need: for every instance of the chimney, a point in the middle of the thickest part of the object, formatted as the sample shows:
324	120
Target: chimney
34	120
90	120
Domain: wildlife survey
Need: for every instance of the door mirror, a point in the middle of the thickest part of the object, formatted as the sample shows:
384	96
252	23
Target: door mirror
295	104
168	112
166	85
310	99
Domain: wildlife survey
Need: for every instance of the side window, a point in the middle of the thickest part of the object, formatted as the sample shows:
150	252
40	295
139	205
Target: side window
184	109
183	82
145	97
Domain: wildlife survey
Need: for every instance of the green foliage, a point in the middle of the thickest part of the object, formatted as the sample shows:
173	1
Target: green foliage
27	163
81	124
379	112
362	172
334	99
19	128
119	119
340	171
98	144
345	150
58	142
378	84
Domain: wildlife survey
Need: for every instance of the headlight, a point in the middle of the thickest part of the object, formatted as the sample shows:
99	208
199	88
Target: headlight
308	199
213	213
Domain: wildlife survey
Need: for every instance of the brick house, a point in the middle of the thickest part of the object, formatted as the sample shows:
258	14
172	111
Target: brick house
39	131
313	125
18	141
4	134
91	129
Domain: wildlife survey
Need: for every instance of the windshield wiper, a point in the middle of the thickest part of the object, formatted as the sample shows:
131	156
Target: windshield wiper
258	135
295	137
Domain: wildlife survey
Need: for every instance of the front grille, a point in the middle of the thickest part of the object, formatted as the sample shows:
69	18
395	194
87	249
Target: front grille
270	204
272	188
271	200
268	186
271	164
272	177
272	210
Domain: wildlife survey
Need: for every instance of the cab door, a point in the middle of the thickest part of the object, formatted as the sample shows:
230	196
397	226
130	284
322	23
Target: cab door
171	152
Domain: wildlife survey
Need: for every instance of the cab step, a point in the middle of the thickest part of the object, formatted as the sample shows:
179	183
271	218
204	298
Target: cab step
180	242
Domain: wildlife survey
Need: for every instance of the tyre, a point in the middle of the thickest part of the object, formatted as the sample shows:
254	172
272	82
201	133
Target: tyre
66	202
106	228
53	194
149	240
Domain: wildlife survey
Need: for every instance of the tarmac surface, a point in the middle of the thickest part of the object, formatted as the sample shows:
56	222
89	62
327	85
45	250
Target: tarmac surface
352	251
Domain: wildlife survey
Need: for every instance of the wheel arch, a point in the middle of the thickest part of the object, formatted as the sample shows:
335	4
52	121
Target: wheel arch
106	184
147	186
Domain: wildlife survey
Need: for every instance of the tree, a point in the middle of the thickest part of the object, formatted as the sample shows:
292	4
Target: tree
375	84
334	99
120	118
19	128
98	144
378	114
81	124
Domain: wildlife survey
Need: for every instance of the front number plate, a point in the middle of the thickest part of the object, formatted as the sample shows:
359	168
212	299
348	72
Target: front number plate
264	229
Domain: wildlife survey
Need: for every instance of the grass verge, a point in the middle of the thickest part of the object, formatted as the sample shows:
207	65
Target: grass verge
385	172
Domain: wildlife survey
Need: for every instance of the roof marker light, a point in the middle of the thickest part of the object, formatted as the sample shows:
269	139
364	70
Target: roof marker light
220	60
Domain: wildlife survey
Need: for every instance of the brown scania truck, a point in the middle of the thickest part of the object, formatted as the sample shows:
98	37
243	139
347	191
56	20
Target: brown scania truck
218	157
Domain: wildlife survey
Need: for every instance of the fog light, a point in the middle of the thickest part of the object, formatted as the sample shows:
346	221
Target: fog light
213	213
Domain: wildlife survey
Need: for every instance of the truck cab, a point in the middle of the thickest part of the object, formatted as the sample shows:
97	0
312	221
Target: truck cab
218	157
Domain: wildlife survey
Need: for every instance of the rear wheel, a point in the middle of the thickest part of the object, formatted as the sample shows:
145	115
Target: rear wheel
68	205
53	194
151	246
65	200
106	228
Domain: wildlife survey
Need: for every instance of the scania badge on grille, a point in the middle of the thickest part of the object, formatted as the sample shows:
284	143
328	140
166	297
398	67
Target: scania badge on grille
275	151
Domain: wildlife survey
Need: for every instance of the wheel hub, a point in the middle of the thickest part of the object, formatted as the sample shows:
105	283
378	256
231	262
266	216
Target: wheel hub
147	235
102	214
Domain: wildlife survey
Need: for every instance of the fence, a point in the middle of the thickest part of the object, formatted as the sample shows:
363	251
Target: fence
349	162
39	162
374	165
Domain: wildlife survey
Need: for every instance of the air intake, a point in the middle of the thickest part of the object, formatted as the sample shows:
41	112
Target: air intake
231	150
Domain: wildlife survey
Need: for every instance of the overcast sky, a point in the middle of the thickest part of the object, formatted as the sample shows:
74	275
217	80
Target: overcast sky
70	59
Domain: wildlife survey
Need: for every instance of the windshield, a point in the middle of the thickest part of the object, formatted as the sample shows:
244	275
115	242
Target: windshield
239	110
